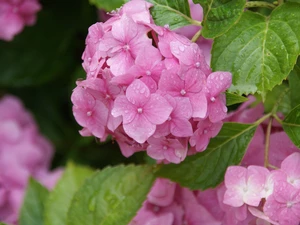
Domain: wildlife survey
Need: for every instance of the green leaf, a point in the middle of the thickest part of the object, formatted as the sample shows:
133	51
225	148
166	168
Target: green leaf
297	1
3	223
60	198
220	15
206	169
294	84
232	99
278	100
32	210
259	51
175	13
111	196
291	125
108	6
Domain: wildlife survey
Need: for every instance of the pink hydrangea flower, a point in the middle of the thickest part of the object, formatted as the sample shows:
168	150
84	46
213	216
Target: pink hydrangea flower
188	87
25	152
148	87
15	14
173	150
244	186
283	205
123	43
217	83
178	123
89	112
141	111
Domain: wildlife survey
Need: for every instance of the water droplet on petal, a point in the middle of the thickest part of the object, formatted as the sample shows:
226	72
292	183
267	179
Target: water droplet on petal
181	48
182	92
139	110
142	91
178	153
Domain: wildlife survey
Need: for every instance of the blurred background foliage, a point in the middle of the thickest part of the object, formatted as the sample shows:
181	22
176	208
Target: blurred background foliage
41	65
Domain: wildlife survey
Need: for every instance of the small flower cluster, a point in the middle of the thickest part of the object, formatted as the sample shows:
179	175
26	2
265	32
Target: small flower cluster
271	196
14	15
156	94
23	153
277	192
169	204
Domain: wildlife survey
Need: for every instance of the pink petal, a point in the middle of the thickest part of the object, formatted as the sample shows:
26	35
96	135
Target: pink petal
120	63
138	93
217	109
157	109
235	176
194	81
218	82
124	29
140	129
181	128
199	104
122	107
155	150
11	24
291	166
281	147
233	198
175	152
162	192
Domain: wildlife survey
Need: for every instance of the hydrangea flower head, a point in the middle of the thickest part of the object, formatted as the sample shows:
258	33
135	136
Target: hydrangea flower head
164	87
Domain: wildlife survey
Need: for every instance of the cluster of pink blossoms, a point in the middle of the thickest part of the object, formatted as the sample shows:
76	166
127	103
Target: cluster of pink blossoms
248	196
272	196
155	93
23	153
14	15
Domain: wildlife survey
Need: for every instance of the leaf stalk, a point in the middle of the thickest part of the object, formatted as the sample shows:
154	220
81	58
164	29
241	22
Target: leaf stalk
267	143
259	4
196	36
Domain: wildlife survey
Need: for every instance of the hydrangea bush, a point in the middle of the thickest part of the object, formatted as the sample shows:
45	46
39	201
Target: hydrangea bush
207	92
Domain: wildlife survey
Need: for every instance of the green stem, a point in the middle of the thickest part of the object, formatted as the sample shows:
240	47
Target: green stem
196	36
273	167
196	22
267	144
260	4
280	2
257	122
277	118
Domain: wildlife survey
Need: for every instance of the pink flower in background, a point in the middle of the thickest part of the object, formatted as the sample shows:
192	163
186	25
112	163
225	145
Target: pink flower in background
24	152
15	14
284	204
